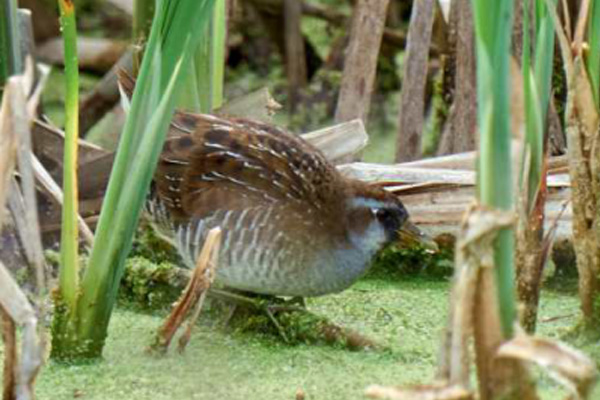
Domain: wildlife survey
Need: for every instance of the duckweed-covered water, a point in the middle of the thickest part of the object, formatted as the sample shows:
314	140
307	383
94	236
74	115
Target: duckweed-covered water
405	316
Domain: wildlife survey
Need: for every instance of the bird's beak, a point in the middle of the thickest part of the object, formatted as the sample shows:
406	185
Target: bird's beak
410	235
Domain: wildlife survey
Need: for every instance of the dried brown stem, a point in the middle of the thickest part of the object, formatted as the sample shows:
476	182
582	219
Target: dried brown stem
295	55
530	253
582	131
390	37
360	65
193	294
474	312
459	134
412	102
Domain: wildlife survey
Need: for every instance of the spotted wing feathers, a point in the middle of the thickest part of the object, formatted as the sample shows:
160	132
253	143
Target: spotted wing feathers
211	163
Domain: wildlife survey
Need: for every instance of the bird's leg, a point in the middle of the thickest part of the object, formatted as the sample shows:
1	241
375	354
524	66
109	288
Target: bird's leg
230	313
269	306
294	304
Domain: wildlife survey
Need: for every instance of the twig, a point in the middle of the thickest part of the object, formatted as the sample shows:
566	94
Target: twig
557	317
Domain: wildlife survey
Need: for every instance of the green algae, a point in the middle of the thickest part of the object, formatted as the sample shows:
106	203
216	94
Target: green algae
405	314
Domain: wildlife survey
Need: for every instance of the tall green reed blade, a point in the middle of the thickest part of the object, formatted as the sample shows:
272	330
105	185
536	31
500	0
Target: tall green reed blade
593	58
10	54
207	66
493	25
173	37
143	13
537	82
69	257
544	54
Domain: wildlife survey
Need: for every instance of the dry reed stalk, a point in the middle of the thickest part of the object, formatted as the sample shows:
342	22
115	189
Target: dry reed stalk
584	167
17	114
20	372
340	141
473	316
8	153
531	251
194	294
259	105
360	62
422	392
24	366
412	103
566	365
582	121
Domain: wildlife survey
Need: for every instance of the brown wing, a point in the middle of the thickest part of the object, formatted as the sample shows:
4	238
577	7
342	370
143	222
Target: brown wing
210	163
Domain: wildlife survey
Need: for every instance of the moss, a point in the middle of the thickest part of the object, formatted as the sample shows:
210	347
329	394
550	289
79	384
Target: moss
296	327
440	108
149	245
395	262
150	285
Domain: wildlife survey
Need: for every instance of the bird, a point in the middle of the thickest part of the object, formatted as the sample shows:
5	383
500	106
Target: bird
291	224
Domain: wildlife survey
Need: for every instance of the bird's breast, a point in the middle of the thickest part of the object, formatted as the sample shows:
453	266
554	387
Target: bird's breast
263	251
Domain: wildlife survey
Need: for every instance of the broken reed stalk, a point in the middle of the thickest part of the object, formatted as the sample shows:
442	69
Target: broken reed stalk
582	121
584	167
15	309
567	366
194	294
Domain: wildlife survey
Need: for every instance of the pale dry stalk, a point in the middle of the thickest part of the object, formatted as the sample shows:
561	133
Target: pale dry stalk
584	168
474	315
194	294
19	372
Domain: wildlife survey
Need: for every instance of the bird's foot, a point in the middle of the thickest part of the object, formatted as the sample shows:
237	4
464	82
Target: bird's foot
289	319
269	305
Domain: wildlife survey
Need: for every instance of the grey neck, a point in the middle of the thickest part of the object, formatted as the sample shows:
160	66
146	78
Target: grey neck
355	257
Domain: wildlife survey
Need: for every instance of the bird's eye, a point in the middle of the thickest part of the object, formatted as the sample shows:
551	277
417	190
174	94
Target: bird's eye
383	215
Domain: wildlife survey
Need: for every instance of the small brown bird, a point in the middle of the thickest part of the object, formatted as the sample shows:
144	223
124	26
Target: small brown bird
292	225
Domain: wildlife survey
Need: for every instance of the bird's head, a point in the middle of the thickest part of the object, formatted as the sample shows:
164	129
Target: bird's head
378	218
